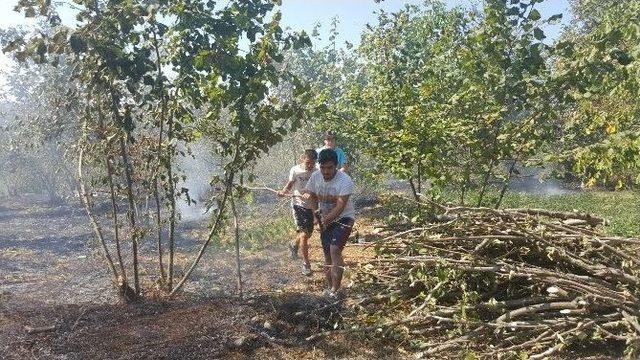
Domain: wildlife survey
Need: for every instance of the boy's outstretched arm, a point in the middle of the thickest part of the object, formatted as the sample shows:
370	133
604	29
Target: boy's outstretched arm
287	187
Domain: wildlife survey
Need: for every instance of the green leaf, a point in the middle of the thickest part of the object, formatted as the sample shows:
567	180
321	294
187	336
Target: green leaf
77	43
555	17
513	11
534	15
13	45
29	12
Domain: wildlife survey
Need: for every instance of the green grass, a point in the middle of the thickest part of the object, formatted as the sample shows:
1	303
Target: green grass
258	235
621	208
258	230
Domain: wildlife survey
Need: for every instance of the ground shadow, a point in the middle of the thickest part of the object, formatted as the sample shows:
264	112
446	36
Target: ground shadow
259	326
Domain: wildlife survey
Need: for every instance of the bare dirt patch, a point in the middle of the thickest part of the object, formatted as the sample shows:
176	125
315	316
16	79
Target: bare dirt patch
52	277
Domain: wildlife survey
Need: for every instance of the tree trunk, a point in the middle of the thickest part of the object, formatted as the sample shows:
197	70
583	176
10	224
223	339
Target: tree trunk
156	197
114	215
485	183
112	194
465	182
493	160
212	232
413	189
172	202
419	177
131	213
506	184
159	153
236	230
86	201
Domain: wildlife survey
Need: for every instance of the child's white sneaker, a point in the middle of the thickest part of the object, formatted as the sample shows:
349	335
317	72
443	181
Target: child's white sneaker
306	269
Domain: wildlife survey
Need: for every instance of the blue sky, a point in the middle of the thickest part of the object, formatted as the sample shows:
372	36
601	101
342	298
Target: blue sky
354	14
304	14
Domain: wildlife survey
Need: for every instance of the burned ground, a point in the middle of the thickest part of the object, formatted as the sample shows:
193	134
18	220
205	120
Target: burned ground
53	279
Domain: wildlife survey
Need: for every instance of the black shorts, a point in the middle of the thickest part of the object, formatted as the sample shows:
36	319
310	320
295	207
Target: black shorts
303	218
337	233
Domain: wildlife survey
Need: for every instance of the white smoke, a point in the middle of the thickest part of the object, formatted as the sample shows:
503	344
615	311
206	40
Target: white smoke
198	166
538	181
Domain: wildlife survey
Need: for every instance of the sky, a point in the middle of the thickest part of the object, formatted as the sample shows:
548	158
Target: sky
353	15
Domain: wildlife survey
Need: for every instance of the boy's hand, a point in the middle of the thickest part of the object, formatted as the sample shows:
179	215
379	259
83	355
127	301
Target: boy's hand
281	193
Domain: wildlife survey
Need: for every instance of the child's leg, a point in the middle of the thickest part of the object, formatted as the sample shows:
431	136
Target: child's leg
293	248
337	267
325	239
305	228
298	220
299	237
304	246
339	235
327	270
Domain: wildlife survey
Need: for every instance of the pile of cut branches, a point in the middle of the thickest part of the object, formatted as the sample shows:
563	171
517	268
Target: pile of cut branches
521	283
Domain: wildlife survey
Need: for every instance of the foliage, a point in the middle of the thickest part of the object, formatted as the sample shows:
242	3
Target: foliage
446	96
504	89
36	127
152	77
395	104
596	83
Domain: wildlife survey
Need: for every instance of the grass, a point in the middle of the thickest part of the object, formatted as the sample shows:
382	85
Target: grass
260	235
620	208
259	229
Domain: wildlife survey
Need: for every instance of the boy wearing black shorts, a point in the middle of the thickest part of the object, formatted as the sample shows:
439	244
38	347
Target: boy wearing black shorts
302	213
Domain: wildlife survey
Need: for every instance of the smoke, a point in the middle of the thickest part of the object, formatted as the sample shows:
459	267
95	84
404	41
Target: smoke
538	181
198	166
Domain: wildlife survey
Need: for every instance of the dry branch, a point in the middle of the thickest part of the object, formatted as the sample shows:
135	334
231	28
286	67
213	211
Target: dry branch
39	329
508	280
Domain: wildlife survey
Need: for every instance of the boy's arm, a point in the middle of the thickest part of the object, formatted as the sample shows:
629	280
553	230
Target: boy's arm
310	197
287	187
341	203
346	189
290	181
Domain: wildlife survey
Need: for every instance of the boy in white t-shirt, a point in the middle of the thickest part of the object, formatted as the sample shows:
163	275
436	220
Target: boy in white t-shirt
329	191
302	213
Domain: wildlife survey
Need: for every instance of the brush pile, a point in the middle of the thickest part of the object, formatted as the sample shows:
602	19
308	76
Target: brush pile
503	283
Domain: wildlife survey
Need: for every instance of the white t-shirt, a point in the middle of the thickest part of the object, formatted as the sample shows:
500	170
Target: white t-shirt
299	176
340	185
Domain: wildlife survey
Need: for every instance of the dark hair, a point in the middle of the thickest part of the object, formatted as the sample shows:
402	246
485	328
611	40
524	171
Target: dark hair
329	134
327	155
311	154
